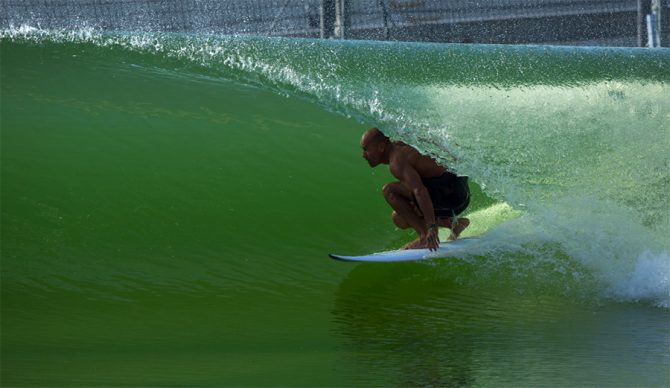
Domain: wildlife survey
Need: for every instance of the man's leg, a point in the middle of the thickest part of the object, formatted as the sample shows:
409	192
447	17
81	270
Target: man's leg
458	227
405	214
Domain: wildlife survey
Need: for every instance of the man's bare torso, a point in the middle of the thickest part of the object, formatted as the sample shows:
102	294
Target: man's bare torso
404	155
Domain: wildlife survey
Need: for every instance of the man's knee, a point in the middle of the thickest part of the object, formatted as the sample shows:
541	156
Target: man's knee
399	221
390	191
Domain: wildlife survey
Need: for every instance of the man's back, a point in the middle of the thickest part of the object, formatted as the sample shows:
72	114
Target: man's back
405	156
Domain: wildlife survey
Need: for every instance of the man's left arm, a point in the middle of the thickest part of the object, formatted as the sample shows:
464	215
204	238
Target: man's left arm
411	179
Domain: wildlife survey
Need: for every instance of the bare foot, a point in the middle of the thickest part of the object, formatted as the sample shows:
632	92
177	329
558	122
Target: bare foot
416	244
411	245
460	226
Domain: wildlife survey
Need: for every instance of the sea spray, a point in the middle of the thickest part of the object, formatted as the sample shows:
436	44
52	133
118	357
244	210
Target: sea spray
648	281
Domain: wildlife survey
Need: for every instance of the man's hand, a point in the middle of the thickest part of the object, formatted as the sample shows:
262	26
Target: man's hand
432	240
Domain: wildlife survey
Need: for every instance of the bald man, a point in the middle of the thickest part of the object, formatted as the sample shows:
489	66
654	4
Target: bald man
426	195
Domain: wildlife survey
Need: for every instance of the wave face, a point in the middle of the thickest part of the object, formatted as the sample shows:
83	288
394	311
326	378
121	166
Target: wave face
139	169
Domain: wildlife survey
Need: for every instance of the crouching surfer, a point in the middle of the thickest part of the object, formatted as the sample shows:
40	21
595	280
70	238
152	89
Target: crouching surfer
426	196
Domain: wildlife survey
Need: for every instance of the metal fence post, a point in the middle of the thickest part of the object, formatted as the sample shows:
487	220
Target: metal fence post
385	15
643	9
328	15
342	17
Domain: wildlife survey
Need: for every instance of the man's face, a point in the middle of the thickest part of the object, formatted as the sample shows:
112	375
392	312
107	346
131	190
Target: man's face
371	152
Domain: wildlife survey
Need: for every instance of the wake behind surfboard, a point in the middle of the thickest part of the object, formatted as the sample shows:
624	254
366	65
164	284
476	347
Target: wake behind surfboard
410	254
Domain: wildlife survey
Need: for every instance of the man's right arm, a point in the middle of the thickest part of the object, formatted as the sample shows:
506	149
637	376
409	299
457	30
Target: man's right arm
411	179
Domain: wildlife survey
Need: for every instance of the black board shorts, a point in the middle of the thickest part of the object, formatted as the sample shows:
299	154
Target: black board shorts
449	193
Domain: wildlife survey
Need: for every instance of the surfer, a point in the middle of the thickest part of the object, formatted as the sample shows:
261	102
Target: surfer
426	196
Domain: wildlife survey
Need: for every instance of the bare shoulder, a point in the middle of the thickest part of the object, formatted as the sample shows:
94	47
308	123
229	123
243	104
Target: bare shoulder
408	157
406	152
403	157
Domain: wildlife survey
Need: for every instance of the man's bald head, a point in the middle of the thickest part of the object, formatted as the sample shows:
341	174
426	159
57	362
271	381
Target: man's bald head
375	146
374	136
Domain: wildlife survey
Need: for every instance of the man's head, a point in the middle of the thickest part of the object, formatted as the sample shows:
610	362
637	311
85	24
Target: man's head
375	146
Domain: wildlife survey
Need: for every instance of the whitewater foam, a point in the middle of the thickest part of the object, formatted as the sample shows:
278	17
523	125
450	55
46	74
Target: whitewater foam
582	250
649	281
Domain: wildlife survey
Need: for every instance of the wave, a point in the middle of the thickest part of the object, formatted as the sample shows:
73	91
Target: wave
569	145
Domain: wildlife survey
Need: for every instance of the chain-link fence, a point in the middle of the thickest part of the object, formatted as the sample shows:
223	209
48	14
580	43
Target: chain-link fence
602	22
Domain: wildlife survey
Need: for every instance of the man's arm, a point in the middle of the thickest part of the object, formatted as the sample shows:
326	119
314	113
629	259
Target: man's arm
411	179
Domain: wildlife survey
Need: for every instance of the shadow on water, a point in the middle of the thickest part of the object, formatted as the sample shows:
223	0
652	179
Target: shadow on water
416	324
406	324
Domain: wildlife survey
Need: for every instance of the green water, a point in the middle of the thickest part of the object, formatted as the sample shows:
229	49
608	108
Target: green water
168	202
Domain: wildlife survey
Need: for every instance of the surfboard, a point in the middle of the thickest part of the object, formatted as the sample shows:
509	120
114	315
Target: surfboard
444	250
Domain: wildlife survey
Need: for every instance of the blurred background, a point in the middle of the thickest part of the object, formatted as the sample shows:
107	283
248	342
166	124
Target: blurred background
625	23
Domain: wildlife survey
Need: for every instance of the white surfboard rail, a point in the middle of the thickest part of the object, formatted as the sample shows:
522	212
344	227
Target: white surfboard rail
409	254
